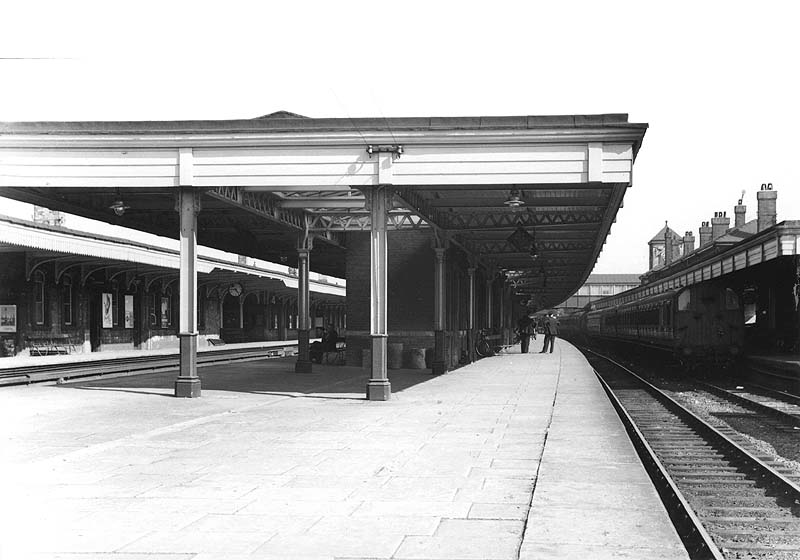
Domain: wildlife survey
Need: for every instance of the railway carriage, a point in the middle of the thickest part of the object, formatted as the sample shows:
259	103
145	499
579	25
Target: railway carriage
702	323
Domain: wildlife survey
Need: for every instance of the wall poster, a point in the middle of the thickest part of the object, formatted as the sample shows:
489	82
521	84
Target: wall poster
128	311
8	318
106	305
165	313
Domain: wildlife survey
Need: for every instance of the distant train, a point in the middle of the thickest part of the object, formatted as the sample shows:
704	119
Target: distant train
698	324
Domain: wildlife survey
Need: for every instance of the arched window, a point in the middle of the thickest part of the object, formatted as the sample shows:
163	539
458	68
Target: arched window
66	299
38	297
114	303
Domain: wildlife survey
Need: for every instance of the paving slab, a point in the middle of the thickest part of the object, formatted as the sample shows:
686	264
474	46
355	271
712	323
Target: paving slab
515	456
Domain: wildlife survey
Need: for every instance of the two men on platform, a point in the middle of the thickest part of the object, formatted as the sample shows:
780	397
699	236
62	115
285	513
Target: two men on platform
550	324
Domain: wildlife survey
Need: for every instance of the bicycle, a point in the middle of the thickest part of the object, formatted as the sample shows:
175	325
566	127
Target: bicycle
482	347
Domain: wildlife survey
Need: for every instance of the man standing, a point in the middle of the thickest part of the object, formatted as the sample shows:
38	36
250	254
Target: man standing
524	328
550	332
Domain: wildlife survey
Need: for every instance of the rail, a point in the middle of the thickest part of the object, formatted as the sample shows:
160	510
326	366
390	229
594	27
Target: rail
131	365
710	483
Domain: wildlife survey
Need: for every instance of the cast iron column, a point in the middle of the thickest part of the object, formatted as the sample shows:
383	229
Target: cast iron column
471	314
489	303
378	387
188	383
439	365
303	364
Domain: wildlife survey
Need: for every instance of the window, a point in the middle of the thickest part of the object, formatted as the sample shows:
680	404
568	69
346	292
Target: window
202	298
684	299
38	297
731	299
67	299
153	311
114	304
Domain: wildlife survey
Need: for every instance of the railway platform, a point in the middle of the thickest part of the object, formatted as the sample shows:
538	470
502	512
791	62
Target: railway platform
788	363
514	456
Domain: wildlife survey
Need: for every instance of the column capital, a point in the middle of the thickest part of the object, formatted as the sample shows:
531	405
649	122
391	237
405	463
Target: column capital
181	202
440	240
305	242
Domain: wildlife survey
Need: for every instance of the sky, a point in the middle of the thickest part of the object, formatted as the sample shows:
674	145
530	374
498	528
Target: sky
716	81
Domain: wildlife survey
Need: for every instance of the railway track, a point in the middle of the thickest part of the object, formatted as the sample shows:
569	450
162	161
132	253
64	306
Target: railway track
781	405
130	365
726	502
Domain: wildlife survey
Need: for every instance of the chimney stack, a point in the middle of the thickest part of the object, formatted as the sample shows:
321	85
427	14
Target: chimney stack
705	234
688	243
739	211
667	245
719	225
767	207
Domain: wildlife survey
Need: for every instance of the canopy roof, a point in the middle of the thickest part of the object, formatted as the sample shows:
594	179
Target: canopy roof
557	181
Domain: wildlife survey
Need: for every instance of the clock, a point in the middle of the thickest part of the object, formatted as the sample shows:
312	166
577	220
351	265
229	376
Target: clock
658	255
235	289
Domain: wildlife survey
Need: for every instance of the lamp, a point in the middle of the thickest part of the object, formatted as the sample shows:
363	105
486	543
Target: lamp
513	201
119	207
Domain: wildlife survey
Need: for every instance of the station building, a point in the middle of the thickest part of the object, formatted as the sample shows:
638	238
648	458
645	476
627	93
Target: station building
66	291
758	258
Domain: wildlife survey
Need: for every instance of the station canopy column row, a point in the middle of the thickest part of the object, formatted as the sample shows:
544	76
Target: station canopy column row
528	199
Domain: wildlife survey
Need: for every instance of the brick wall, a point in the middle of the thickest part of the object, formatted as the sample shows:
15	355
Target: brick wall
410	291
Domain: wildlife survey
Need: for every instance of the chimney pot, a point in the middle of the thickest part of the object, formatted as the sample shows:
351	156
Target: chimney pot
705	234
719	225
767	206
688	243
739	212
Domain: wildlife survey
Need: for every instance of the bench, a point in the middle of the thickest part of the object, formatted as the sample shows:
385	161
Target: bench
49	345
335	357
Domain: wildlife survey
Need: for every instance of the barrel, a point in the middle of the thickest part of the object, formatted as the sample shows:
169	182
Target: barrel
395	357
416	358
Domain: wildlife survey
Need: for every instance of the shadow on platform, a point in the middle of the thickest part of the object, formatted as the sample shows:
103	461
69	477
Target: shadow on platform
268	377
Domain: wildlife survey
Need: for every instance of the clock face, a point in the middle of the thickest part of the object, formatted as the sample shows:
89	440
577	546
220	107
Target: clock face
658	254
658	250
235	289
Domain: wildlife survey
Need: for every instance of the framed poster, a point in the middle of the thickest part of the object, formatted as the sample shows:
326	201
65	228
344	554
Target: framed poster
8	318
106	304
165	313
128	311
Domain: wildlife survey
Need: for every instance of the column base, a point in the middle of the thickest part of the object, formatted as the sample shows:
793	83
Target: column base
438	368
379	390
303	366
187	387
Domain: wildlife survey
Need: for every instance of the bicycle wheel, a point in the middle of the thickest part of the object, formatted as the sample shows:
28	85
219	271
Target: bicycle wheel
483	349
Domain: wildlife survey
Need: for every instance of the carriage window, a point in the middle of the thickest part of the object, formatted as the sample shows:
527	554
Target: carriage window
731	299
684	299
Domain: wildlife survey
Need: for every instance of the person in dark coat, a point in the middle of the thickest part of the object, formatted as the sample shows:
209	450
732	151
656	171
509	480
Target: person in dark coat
328	344
551	325
524	331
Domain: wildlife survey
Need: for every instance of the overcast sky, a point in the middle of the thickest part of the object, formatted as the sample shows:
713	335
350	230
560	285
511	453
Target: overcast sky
716	81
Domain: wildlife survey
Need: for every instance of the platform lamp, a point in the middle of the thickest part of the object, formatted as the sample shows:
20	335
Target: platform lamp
513	202
118	207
